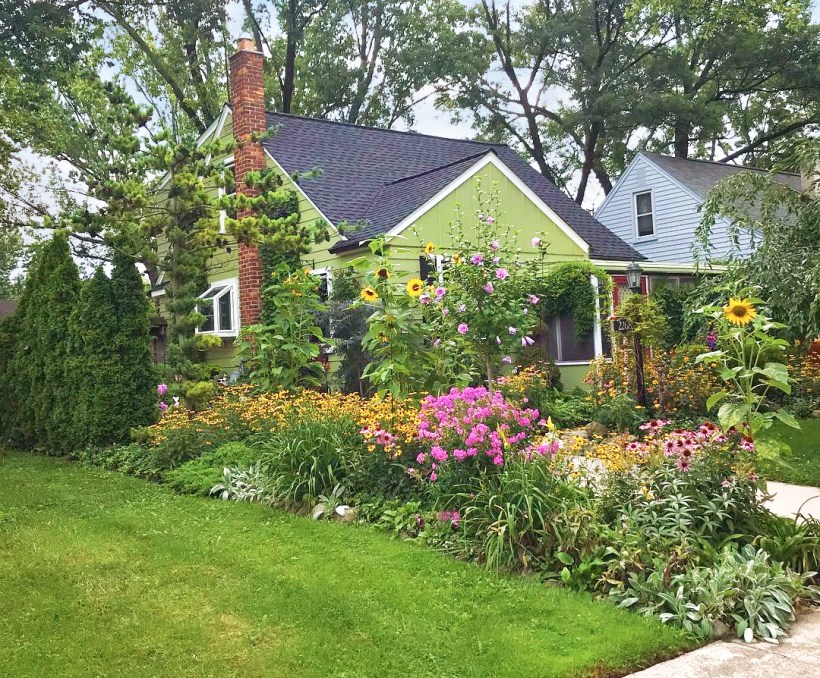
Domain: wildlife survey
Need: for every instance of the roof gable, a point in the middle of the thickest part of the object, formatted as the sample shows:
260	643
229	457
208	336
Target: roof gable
380	176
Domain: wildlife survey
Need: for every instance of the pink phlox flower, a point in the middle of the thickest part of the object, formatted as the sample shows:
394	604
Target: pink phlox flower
477	259
494	245
463	328
163	406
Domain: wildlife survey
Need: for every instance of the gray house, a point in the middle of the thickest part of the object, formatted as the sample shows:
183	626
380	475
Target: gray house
655	206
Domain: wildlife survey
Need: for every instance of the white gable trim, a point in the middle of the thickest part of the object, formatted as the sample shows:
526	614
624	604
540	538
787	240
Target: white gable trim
215	128
618	183
660	266
306	196
489	159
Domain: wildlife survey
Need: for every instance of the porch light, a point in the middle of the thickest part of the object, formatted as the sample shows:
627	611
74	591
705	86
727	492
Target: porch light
633	277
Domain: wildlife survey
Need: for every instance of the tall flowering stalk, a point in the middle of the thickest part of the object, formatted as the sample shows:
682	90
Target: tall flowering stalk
489	302
747	352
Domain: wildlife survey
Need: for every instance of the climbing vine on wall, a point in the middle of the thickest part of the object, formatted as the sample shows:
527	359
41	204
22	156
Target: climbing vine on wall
566	289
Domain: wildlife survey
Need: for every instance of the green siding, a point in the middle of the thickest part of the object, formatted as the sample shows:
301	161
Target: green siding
517	211
572	376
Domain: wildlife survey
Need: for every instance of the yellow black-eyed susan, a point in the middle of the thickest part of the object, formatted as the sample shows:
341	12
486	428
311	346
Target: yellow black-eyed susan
739	311
369	294
429	248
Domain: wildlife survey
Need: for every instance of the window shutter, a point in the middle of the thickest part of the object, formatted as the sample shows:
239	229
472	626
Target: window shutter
426	273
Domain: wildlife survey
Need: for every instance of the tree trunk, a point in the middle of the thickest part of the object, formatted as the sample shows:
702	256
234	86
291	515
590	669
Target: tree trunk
683	130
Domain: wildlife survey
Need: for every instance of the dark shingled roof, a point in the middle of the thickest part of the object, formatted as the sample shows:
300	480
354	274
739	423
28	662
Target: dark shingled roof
700	176
378	177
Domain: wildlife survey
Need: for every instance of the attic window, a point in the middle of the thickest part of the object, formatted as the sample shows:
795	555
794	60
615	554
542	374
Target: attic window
645	220
219	307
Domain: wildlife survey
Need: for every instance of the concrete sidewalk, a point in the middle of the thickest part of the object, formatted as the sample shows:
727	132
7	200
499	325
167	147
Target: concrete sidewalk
789	498
797	656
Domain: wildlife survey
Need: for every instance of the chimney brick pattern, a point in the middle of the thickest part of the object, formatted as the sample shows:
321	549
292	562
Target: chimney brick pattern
247	85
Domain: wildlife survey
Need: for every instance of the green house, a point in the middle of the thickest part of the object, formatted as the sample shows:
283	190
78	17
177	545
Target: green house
406	186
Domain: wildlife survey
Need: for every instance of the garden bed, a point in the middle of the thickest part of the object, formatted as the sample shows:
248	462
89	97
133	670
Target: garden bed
101	573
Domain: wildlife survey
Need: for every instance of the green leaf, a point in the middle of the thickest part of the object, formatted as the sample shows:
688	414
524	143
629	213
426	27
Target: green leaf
712	355
732	414
787	418
715	398
565	576
565	558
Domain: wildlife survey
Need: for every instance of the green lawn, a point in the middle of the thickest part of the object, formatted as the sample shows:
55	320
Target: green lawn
105	575
802	465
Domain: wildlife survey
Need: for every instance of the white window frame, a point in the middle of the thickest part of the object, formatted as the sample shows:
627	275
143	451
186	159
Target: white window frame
635	214
220	191
597	332
232	288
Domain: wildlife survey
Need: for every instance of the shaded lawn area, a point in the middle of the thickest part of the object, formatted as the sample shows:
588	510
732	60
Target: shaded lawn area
105	575
802	465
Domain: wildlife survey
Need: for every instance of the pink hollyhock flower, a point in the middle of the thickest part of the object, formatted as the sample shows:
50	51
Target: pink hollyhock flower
440	291
445	311
163	406
512	330
477	259
463	328
488	288
494	245
506	360
533	299
502	274
536	242
424	299
162	389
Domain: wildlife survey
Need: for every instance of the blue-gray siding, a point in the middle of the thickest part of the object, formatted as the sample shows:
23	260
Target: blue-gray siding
675	210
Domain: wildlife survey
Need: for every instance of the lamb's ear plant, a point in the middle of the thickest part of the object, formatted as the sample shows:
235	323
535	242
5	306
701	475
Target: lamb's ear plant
748	358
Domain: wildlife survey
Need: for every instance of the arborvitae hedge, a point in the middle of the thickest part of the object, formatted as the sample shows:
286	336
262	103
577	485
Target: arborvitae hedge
78	369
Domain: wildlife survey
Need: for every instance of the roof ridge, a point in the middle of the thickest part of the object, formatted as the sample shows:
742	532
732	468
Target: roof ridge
440	167
384	129
718	163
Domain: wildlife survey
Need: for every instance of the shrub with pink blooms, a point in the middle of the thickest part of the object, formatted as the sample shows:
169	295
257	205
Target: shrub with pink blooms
471	431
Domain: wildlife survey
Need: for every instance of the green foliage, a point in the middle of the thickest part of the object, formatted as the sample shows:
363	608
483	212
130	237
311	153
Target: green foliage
565	289
748	365
786	223
201	474
647	319
11	252
671	303
38	378
283	351
620	413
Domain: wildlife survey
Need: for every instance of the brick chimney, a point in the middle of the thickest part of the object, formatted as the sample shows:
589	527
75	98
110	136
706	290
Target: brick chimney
247	89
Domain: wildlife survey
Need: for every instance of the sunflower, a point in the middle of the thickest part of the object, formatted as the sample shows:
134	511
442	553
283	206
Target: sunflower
739	311
428	248
415	287
383	273
369	294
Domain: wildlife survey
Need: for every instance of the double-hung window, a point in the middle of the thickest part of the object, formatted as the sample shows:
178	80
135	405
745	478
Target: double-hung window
219	305
644	215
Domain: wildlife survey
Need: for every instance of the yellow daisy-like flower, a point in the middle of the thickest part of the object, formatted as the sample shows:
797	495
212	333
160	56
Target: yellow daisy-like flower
369	294
429	248
456	259
415	287
382	272
739	312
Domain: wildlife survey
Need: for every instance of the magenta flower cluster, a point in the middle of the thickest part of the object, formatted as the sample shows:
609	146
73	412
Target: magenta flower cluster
472	423
682	444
